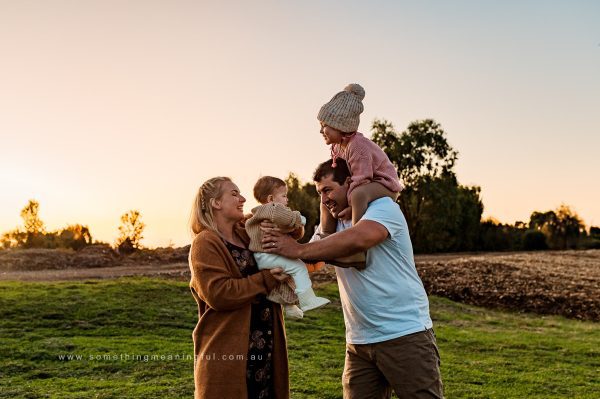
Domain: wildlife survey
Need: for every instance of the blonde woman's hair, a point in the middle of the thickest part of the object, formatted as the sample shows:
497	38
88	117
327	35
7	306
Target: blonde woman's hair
202	217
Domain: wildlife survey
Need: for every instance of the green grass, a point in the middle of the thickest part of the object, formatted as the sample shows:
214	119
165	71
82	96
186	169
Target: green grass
485	353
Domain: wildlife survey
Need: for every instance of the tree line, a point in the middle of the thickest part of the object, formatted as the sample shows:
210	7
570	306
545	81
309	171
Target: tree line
33	234
442	214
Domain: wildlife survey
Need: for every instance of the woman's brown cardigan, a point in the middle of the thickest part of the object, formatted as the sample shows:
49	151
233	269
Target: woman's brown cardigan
221	336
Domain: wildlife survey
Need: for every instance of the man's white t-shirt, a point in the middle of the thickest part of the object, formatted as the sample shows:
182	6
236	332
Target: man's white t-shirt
387	299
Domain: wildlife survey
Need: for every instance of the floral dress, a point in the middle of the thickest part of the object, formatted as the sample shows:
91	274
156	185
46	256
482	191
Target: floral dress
259	373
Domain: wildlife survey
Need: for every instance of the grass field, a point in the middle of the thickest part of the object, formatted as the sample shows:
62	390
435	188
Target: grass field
485	353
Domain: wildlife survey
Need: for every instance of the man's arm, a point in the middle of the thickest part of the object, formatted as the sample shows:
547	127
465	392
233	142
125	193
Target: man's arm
359	238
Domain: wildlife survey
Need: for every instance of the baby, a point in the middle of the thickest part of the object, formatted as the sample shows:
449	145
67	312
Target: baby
271	192
373	174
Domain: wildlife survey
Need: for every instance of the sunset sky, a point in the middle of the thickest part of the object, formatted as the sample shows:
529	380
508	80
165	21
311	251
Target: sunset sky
107	106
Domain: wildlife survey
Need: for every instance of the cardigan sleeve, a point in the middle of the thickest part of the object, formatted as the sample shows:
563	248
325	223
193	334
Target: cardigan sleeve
360	164
215	284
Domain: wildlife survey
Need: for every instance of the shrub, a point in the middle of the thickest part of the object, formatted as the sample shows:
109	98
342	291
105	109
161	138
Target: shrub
534	240
126	247
590	243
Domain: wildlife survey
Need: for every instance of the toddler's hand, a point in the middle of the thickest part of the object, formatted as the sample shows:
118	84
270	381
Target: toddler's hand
345	214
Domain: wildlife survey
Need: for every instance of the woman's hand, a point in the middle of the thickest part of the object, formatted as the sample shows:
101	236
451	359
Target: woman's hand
279	274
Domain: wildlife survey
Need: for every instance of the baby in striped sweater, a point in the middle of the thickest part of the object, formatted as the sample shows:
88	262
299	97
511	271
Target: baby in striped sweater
271	192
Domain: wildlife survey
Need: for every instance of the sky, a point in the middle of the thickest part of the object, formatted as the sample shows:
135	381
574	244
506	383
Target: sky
107	106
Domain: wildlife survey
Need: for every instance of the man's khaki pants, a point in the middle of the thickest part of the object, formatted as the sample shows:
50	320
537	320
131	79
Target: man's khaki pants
409	365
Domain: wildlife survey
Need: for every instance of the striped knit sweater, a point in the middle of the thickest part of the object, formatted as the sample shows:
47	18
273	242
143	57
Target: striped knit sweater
273	212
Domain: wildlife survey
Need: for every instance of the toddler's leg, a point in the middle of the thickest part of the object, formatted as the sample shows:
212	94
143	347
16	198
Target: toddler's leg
306	296
293	267
298	271
328	222
362	195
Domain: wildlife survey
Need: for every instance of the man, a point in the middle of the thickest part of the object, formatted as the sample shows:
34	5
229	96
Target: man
390	343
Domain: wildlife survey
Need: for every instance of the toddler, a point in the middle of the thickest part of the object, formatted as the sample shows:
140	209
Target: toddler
373	174
271	192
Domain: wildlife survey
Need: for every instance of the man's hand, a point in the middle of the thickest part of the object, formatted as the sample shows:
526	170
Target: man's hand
268	226
276	242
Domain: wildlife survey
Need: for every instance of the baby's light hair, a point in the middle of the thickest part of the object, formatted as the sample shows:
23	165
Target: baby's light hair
265	186
201	217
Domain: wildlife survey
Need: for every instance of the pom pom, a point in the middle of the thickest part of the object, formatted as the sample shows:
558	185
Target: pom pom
356	89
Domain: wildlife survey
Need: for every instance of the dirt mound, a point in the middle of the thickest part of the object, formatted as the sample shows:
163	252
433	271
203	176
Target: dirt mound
99	255
563	283
158	256
57	259
96	256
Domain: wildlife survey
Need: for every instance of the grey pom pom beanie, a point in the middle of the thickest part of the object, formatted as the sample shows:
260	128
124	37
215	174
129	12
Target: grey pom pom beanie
343	111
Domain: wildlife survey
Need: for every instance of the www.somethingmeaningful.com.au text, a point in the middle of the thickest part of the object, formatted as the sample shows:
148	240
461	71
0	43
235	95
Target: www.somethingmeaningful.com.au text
124	357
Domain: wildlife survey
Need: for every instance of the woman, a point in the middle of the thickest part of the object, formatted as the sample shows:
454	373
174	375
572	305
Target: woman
239	341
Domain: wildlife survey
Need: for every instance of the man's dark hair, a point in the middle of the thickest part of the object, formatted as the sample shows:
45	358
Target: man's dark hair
340	172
